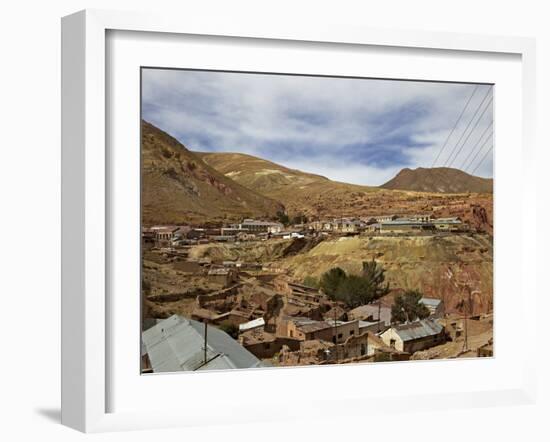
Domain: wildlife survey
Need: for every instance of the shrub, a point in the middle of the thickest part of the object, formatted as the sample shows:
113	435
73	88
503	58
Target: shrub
311	281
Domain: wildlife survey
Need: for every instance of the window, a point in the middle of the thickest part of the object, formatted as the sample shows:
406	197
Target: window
351	332
392	343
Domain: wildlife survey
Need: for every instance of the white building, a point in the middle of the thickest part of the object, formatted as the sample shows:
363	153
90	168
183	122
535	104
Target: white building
414	336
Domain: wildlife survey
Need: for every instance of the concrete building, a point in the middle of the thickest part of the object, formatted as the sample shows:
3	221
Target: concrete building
383	218
448	224
420	217
405	226
414	336
181	344
435	306
339	225
254	226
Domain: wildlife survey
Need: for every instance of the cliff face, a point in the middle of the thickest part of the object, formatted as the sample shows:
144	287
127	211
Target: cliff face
443	267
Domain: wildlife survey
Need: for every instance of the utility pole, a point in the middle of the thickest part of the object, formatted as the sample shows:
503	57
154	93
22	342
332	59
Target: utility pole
379	308
205	340
335	336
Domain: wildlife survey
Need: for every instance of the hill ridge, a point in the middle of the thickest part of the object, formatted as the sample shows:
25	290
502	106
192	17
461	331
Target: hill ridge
438	179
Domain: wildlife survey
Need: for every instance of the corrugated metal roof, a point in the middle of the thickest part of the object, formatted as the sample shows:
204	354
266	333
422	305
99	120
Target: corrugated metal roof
432	302
260	322
177	344
418	329
405	222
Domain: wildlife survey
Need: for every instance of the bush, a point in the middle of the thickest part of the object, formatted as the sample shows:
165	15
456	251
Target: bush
331	280
311	281
230	328
355	290
283	218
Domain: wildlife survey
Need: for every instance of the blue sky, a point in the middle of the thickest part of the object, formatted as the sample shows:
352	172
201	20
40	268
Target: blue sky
360	131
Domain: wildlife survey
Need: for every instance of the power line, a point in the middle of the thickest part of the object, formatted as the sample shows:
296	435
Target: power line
479	151
481	162
471	132
454	127
476	145
469	124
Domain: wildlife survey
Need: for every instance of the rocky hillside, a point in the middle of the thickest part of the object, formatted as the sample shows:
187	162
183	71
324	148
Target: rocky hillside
439	179
437	265
299	191
179	187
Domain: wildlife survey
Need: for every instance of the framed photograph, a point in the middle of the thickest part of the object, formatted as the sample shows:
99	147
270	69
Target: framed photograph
266	209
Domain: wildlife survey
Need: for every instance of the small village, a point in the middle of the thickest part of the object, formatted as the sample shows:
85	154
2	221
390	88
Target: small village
245	313
256	230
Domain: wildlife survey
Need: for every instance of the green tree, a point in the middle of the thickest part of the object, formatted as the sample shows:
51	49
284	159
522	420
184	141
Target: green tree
375	275
408	307
282	217
331	280
354	291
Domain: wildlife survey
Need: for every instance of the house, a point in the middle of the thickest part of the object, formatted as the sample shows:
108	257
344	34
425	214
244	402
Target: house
371	312
265	345
435	306
223	276
361	346
252	325
164	236
371	326
306	329
181	344
147	236
414	336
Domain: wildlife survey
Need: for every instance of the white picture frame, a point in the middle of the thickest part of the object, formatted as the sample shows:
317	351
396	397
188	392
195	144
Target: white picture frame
86	210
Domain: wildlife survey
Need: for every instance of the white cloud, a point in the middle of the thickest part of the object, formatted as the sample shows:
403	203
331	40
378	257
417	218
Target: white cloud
316	123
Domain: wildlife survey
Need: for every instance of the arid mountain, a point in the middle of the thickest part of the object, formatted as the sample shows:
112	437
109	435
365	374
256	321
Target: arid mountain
300	192
435	265
318	196
178	187
439	179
